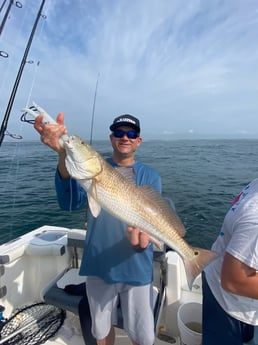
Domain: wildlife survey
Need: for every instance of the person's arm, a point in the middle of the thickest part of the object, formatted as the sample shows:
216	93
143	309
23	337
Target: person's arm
64	174
70	194
238	278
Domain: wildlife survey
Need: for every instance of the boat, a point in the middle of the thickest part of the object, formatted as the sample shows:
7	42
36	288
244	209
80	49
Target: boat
42	293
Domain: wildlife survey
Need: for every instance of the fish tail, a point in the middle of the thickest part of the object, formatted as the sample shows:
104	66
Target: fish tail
194	266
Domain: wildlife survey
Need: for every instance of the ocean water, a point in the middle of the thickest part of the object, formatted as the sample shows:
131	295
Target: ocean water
201	177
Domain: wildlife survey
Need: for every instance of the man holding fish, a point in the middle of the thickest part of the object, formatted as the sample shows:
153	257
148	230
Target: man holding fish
117	259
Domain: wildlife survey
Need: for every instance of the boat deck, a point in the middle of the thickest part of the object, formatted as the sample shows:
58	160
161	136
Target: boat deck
55	253
70	333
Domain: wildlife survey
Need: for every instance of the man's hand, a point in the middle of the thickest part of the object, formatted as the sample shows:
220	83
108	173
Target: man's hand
138	238
49	133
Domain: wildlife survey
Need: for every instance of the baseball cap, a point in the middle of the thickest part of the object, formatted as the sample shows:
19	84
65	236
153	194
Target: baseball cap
126	120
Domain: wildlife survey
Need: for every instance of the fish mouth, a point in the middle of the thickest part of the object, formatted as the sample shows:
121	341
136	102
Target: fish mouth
69	140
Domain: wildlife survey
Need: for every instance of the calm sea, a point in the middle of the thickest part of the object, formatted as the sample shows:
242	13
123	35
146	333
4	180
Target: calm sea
200	176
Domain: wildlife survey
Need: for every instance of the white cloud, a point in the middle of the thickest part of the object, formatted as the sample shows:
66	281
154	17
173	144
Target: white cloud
186	64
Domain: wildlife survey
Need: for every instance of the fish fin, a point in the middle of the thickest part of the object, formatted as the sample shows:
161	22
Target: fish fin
165	207
156	242
195	266
94	206
93	166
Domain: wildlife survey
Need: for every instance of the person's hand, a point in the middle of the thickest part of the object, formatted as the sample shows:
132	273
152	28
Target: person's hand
138	238
50	133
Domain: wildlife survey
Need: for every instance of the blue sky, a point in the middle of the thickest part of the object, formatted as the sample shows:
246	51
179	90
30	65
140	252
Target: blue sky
186	68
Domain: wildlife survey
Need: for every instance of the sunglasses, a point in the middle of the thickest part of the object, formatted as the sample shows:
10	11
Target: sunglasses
119	133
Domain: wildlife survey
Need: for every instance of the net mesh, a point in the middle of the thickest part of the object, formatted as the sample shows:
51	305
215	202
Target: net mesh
32	325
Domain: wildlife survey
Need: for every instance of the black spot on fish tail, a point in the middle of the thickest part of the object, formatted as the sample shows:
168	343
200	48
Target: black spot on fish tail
197	263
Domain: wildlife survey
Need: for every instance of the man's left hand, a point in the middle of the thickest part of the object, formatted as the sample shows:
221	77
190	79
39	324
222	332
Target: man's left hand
138	238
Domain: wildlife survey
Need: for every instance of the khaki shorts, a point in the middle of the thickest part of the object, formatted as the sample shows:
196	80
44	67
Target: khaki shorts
136	305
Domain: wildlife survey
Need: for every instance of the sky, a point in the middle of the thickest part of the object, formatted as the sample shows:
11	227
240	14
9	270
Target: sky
188	69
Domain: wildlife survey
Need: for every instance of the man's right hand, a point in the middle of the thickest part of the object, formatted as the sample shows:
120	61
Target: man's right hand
50	133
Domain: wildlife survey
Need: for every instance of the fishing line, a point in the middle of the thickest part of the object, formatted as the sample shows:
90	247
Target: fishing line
10	187
44	16
24	115
32	83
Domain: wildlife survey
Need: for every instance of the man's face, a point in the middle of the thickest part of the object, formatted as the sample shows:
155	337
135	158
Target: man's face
123	144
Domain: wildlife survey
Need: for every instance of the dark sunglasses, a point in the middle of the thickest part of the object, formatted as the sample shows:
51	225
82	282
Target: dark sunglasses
119	133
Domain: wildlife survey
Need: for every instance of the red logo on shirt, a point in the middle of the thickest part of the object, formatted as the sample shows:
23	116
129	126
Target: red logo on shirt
237	198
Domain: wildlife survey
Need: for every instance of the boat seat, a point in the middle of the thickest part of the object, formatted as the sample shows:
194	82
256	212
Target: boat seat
67	292
58	294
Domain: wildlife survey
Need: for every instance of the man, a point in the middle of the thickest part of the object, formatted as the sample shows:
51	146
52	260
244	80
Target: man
230	283
118	269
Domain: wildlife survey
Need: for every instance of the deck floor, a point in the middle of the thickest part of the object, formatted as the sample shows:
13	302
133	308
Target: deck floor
70	333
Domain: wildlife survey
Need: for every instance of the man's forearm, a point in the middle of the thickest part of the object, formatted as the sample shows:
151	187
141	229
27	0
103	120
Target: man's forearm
61	166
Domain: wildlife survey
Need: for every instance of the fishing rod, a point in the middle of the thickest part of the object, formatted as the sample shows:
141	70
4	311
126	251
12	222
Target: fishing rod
93	110
18	78
2	6
17	4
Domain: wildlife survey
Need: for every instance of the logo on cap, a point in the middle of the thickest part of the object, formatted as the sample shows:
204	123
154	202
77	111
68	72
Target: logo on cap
126	119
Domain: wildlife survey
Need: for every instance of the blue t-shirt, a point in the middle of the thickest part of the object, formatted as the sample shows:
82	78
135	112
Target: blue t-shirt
108	253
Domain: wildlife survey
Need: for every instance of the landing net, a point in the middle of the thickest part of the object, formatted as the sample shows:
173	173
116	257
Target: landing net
32	325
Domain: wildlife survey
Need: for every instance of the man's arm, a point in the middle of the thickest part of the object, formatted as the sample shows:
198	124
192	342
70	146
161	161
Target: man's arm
70	195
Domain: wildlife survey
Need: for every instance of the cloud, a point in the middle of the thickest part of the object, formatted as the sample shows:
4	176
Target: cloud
180	65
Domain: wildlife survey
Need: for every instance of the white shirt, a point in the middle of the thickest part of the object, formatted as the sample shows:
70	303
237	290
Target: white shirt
238	237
